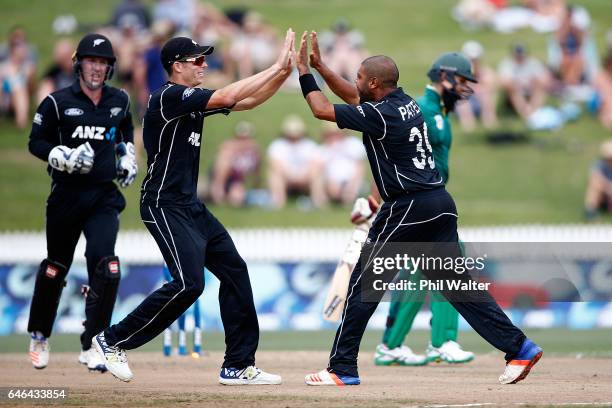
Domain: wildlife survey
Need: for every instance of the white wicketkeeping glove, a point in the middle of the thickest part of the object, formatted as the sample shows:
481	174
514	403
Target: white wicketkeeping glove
364	210
79	160
127	168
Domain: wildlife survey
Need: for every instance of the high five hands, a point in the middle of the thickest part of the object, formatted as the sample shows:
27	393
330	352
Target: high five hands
315	54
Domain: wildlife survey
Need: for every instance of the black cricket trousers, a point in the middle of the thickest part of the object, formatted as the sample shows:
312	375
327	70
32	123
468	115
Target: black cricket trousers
424	216
190	239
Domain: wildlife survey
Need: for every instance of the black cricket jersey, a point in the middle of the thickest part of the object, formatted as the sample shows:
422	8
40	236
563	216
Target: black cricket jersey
68	117
172	134
396	142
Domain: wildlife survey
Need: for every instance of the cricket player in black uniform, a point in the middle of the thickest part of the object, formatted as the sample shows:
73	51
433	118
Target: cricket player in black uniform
80	131
417	208
188	235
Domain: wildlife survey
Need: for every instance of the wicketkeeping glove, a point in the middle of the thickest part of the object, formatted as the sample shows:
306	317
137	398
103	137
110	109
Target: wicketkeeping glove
127	168
79	160
364	210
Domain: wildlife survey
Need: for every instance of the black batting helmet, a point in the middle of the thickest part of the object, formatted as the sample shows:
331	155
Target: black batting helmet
95	45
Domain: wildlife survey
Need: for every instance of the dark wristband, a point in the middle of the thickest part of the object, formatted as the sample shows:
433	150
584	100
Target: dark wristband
308	84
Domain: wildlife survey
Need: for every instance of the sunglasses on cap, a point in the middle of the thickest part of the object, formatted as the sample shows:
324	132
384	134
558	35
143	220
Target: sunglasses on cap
199	60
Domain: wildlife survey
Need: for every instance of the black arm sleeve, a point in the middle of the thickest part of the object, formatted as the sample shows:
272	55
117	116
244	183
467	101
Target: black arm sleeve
45	131
178	100
126	127
364	118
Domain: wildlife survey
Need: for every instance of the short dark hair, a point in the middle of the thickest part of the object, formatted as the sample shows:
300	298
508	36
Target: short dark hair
383	68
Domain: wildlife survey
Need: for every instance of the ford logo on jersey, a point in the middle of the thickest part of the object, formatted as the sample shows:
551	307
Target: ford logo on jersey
73	112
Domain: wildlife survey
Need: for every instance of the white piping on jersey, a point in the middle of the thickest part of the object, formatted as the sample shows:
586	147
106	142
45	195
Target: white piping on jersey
420	182
167	162
431	219
348	298
178	266
378	165
58	119
161	104
127	105
381	116
397	175
150	170
389	236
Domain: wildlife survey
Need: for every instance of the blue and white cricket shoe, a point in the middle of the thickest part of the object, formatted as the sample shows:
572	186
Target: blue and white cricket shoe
92	359
324	377
114	358
519	367
250	375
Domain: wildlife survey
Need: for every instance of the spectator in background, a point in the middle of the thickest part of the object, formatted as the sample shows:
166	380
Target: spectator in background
179	12
343	49
603	86
128	42
571	38
483	102
149	74
255	46
60	74
294	166
131	12
16	72
599	190
237	160
343	170
525	80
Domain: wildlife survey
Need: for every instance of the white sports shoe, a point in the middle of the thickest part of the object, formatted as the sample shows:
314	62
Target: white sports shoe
92	359
114	358
402	355
247	376
324	377
449	351
39	350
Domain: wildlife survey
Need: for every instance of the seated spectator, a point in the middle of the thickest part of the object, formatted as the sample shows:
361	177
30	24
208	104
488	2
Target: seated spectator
255	45
60	74
525	80
15	74
294	167
483	102
342	49
571	38
603	86
237	160
599	190
343	170
179	12
131	12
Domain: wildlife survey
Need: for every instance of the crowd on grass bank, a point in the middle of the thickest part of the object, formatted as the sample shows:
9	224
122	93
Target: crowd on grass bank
574	78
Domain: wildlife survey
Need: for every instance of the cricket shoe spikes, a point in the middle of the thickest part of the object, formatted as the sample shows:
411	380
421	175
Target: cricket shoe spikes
519	367
39	350
114	358
250	375
324	377
450	351
92	359
402	355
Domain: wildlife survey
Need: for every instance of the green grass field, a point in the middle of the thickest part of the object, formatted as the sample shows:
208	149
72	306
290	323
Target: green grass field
541	181
554	341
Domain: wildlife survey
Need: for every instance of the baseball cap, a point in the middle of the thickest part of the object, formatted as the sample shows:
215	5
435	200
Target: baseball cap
179	48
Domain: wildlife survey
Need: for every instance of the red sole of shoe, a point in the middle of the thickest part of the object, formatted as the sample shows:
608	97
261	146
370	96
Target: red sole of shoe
528	368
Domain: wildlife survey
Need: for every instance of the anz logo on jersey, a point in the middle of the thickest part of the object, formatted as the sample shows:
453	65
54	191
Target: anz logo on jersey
94	133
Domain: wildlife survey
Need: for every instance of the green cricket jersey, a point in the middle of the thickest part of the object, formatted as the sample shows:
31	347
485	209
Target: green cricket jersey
438	129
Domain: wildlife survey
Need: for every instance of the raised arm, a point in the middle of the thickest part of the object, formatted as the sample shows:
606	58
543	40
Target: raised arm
338	85
269	89
319	104
237	91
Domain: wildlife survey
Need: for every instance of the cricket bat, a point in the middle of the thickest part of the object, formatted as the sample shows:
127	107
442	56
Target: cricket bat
334	304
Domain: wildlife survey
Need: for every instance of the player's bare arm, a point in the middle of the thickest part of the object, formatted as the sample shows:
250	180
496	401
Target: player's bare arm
338	85
269	89
320	106
246	87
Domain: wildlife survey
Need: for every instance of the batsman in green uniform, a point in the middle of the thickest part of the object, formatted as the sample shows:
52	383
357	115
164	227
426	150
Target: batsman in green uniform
450	74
